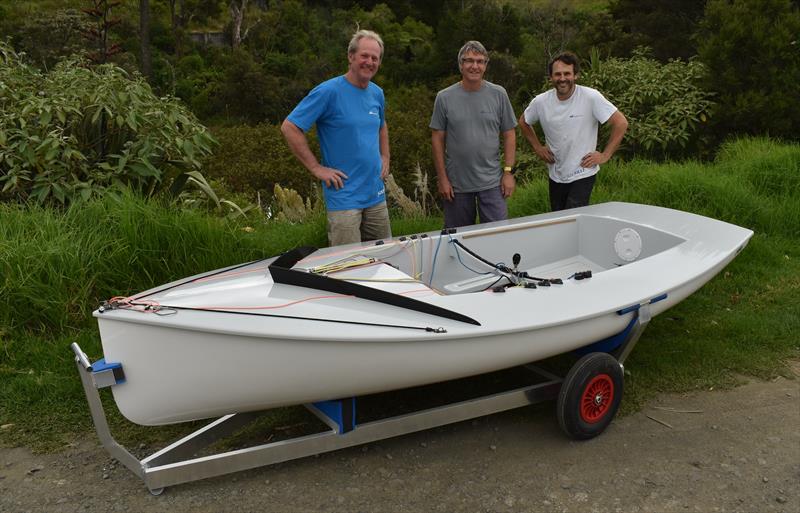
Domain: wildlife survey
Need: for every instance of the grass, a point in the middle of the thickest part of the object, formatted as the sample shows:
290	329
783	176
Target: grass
57	266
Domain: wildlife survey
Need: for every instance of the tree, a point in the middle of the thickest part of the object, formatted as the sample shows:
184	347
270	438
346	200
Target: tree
144	37
665	26
47	37
237	8
752	52
495	24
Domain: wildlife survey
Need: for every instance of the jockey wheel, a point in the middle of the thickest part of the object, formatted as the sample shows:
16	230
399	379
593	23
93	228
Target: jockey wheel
590	396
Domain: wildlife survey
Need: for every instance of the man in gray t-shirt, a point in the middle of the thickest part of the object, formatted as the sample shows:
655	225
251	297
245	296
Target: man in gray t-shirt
468	118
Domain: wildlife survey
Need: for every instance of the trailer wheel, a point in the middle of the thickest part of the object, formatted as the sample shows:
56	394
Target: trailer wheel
590	396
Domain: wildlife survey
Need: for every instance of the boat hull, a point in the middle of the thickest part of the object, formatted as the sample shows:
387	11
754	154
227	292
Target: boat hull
185	367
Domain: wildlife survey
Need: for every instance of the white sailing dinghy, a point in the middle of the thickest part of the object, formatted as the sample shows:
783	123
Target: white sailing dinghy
315	325
364	318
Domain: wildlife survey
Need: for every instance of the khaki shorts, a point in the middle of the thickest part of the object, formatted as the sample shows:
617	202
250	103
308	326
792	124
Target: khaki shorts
357	225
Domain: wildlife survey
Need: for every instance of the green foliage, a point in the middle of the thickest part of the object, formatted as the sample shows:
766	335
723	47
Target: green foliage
47	38
752	53
56	265
665	26
254	159
664	104
75	131
409	44
408	113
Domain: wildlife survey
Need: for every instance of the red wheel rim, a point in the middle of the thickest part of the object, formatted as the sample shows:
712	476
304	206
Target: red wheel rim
597	398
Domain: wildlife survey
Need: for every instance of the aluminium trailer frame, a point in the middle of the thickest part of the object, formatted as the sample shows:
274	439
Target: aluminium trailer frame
177	463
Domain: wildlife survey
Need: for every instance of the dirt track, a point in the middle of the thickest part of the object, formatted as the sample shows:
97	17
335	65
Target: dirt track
742	453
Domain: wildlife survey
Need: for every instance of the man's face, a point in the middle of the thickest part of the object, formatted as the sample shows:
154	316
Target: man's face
473	66
364	62
563	79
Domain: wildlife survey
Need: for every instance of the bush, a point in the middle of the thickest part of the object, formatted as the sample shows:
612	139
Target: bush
408	113
752	53
252	160
75	131
663	103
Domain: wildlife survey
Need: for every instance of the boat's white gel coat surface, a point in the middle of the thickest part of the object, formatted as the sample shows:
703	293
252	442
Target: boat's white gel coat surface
198	363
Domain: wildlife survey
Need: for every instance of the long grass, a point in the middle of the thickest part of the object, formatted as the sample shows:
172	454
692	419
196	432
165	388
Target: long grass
57	266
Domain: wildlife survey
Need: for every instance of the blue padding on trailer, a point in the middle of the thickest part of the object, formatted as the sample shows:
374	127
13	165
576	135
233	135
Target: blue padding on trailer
101	365
633	308
614	341
608	344
340	411
628	309
658	298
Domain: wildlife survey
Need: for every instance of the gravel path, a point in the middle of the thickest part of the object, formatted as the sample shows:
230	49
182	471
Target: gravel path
741	453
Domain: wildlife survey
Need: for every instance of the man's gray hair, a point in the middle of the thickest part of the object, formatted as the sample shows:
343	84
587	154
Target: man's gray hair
361	34
474	47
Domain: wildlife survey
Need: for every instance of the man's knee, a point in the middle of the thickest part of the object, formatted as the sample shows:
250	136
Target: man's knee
375	223
344	227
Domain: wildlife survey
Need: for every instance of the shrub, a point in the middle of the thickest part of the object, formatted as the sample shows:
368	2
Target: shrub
75	131
253	160
408	113
750	48
663	102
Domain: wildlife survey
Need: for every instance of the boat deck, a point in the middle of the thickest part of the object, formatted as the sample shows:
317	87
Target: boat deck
563	269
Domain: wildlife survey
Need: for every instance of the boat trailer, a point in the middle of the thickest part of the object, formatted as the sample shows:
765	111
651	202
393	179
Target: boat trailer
588	398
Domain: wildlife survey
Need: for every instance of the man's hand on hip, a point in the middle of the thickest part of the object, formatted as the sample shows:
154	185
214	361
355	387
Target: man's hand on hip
545	154
332	177
593	158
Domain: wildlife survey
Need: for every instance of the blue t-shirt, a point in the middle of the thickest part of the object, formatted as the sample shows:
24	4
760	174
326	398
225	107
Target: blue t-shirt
348	121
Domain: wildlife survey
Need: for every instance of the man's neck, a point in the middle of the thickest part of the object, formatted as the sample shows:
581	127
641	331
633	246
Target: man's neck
351	77
471	86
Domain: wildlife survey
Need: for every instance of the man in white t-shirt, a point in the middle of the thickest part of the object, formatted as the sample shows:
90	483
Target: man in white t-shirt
569	115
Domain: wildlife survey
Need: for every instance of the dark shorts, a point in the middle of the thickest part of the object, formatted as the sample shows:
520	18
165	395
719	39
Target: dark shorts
490	205
571	195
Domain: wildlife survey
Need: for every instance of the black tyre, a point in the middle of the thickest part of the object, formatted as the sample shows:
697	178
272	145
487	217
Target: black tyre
590	396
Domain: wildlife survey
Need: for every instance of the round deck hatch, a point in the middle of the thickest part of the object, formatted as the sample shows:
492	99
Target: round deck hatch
628	244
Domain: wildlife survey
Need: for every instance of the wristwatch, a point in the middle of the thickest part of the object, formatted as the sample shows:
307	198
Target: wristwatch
509	170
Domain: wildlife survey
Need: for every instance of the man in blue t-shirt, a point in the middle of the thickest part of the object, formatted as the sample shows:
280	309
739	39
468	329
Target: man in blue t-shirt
354	139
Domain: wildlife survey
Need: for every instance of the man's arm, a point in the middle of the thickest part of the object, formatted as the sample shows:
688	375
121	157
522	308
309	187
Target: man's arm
298	143
383	137
508	183
619	125
541	150
437	146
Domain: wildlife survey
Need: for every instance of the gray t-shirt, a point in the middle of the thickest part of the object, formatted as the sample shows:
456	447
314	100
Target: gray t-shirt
473	121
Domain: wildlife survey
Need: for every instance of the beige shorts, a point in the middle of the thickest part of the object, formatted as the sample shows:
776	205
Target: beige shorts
357	225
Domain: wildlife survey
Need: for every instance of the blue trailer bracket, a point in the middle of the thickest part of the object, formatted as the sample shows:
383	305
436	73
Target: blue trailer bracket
621	344
339	414
106	374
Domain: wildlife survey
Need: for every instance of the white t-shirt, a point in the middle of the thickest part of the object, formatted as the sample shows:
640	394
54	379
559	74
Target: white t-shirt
570	129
